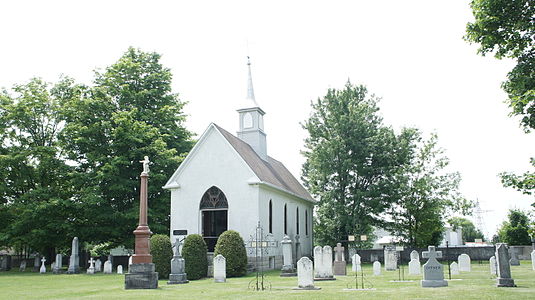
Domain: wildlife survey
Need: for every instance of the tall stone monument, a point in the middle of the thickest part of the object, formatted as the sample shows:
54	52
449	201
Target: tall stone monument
42	270
502	267
433	270
339	260
391	259
74	261
178	274
56	268
141	274
36	262
287	264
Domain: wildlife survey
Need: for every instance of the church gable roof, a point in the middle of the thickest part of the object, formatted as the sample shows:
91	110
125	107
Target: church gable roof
272	171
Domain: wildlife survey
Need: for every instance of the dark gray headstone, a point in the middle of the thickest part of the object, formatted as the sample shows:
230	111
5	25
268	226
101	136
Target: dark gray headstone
433	270
502	267
36	262
513	261
74	261
5	262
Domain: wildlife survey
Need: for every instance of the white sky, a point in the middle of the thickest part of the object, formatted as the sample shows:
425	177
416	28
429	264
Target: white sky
410	53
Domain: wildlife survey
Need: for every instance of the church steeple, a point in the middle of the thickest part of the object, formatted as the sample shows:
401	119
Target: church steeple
252	120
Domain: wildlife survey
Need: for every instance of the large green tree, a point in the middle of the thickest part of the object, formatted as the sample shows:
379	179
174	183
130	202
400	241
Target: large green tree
515	231
470	232
506	29
351	159
426	192
128	113
37	209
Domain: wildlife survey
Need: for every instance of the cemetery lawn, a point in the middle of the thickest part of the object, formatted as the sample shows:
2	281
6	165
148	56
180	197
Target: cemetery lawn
478	284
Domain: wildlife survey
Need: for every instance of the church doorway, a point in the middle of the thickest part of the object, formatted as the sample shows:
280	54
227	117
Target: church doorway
214	216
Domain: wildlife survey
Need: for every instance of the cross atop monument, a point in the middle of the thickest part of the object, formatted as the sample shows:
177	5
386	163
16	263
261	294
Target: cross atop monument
432	254
339	256
145	163
91	262
43	260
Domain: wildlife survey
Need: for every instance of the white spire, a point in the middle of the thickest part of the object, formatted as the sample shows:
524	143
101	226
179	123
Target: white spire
250	91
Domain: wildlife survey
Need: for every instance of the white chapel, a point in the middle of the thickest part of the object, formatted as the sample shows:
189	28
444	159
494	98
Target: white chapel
229	182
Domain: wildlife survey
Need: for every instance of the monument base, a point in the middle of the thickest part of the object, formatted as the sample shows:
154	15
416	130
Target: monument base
75	270
324	278
141	276
288	271
309	288
434	283
505	282
56	271
340	268
178	278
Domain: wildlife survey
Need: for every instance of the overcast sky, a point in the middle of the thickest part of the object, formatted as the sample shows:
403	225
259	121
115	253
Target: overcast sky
410	53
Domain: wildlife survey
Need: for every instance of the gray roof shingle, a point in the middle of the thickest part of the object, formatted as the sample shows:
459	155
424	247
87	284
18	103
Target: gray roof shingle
271	171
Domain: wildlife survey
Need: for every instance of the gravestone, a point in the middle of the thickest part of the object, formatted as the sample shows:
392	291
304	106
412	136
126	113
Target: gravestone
305	275
374	257
356	267
42	270
492	265
339	261
91	269
98	265
178	274
415	255
514	257
36	262
5	262
391	259
464	263
129	262
414	267
108	267
433	270
56	269
120	269
22	266
220	268
454	268
74	261
502	267
533	260
323	269
376	268
287	261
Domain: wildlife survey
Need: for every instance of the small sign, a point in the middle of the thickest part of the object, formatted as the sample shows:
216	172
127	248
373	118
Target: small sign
399	248
351	238
363	238
180	232
479	240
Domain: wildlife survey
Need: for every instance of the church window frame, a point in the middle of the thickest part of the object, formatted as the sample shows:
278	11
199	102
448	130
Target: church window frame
213	198
270	216
306	222
297	220
248	120
285	219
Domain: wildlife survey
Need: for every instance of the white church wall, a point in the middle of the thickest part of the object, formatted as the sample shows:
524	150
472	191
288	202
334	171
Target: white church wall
216	163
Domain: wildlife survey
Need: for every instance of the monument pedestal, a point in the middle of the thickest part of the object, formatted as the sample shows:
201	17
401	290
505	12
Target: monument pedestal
288	271
340	268
505	282
177	275
141	276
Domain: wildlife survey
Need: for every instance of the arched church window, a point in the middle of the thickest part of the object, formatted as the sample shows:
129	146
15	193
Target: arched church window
213	198
270	216
297	220
306	222
285	220
247	120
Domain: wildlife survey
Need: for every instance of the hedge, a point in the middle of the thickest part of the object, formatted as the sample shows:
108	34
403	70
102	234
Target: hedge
194	253
230	245
162	253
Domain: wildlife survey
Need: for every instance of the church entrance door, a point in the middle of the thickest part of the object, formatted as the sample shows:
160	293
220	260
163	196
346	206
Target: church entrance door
214	216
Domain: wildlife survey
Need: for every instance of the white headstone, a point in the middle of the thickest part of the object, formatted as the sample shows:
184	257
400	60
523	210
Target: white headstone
454	268
59	261
464	262
328	261
305	274
319	268
492	265
391	259
533	260
129	262
433	270
220	268
356	267
415	255
74	260
414	267
376	268
108	267
120	269
91	269
42	270
98	265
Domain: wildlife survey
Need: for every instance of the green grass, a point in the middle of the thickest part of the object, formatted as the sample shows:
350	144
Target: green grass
478	284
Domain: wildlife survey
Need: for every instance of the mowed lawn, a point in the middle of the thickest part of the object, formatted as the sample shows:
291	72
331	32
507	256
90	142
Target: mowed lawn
478	284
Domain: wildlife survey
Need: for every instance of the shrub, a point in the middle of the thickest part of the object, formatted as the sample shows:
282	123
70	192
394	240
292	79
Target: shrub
194	253
230	245
162	253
